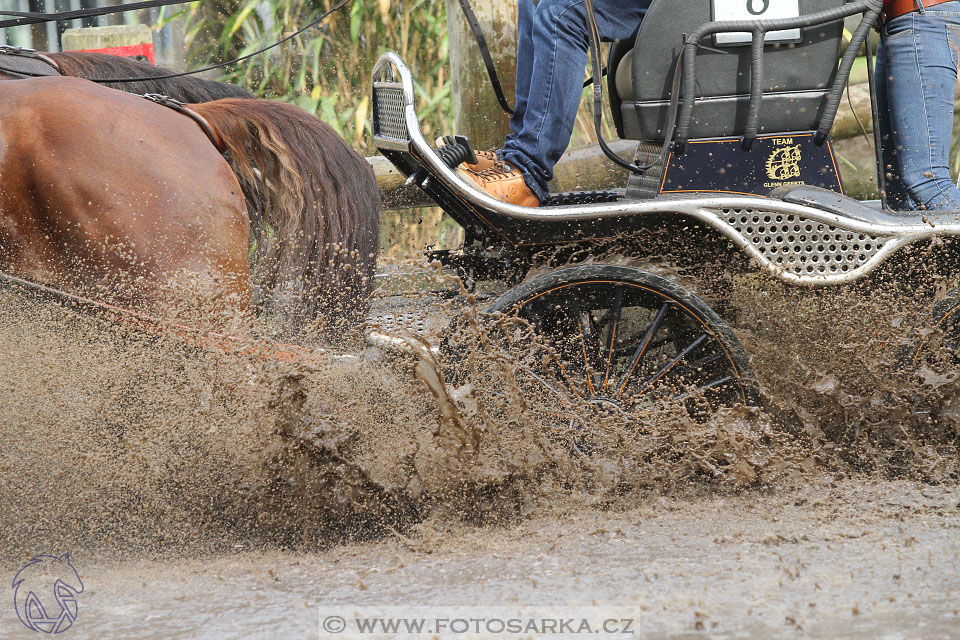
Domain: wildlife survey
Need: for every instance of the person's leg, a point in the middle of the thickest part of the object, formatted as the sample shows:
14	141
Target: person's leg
525	12
560	43
922	52
897	196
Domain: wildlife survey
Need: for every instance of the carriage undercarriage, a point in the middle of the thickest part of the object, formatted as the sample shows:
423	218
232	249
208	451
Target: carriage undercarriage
582	310
583	288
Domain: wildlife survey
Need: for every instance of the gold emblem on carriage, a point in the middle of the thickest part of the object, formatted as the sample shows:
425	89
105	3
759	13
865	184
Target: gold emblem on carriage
784	163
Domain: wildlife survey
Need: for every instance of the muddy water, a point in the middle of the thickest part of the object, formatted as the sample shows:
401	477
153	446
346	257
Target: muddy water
826	560
210	494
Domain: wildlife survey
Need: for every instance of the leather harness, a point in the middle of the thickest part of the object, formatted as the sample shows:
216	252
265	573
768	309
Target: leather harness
22	62
27	63
176	105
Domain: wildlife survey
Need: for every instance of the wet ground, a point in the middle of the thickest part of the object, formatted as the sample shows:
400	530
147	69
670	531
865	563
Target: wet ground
224	495
852	558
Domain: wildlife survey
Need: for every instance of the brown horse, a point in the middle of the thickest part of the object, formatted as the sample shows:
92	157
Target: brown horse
105	192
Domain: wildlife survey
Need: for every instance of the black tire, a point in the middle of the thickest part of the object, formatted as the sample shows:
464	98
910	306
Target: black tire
618	335
944	327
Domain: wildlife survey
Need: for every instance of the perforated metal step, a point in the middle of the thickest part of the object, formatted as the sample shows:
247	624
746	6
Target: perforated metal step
580	197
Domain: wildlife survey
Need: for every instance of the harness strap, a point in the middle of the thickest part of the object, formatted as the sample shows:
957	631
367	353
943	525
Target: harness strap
474	25
50	61
485	54
29	17
26	52
176	105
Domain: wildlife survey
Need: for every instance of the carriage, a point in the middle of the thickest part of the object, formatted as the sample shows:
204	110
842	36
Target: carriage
734	159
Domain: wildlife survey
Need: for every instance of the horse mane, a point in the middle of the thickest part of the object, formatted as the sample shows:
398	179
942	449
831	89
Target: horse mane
314	208
98	66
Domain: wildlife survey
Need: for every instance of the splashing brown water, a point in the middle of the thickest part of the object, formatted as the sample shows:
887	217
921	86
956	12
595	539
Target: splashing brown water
119	441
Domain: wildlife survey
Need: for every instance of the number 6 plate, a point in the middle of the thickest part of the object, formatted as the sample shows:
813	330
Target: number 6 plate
756	10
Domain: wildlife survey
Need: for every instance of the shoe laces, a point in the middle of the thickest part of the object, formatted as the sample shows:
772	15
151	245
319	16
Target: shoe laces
499	171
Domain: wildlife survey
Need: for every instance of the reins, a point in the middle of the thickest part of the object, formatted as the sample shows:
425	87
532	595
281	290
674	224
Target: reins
30	18
481	40
156	327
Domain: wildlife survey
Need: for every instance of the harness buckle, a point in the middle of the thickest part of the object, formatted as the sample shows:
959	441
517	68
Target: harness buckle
13	51
163	100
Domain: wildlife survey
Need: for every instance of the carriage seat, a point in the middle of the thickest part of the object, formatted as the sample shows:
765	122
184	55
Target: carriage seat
797	75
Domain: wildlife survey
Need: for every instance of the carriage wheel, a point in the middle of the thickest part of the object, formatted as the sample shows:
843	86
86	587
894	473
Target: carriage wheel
619	337
945	330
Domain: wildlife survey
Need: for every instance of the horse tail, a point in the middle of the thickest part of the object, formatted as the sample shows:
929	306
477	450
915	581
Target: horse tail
314	209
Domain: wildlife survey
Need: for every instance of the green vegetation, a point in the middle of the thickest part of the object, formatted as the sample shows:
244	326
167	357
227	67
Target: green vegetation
327	69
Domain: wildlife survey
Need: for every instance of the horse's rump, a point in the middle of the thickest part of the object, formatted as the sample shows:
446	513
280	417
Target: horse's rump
111	195
102	187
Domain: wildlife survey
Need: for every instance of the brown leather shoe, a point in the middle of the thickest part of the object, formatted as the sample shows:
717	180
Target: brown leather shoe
485	159
503	182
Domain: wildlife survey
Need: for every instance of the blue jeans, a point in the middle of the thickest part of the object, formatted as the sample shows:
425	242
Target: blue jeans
916	78
551	58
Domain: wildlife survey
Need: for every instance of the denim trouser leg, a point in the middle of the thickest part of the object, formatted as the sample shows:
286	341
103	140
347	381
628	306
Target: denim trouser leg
550	81
916	79
897	196
525	11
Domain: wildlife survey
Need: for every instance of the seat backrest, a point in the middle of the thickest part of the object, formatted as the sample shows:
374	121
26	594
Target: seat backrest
797	74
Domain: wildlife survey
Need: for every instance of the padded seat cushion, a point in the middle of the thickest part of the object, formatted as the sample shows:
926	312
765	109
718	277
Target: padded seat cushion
624	81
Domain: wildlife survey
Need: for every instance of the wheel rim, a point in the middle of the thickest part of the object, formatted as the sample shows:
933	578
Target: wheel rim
946	327
616	344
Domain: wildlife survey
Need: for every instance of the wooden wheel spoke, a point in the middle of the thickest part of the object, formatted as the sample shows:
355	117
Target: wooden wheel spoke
588	342
540	379
707	360
656	344
644	346
566	378
715	384
613	313
537	312
670	365
628	347
614	316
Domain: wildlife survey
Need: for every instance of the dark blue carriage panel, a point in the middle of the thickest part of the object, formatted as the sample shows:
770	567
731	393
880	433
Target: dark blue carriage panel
720	165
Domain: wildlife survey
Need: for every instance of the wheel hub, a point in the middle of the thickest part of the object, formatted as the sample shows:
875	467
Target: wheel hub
606	403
